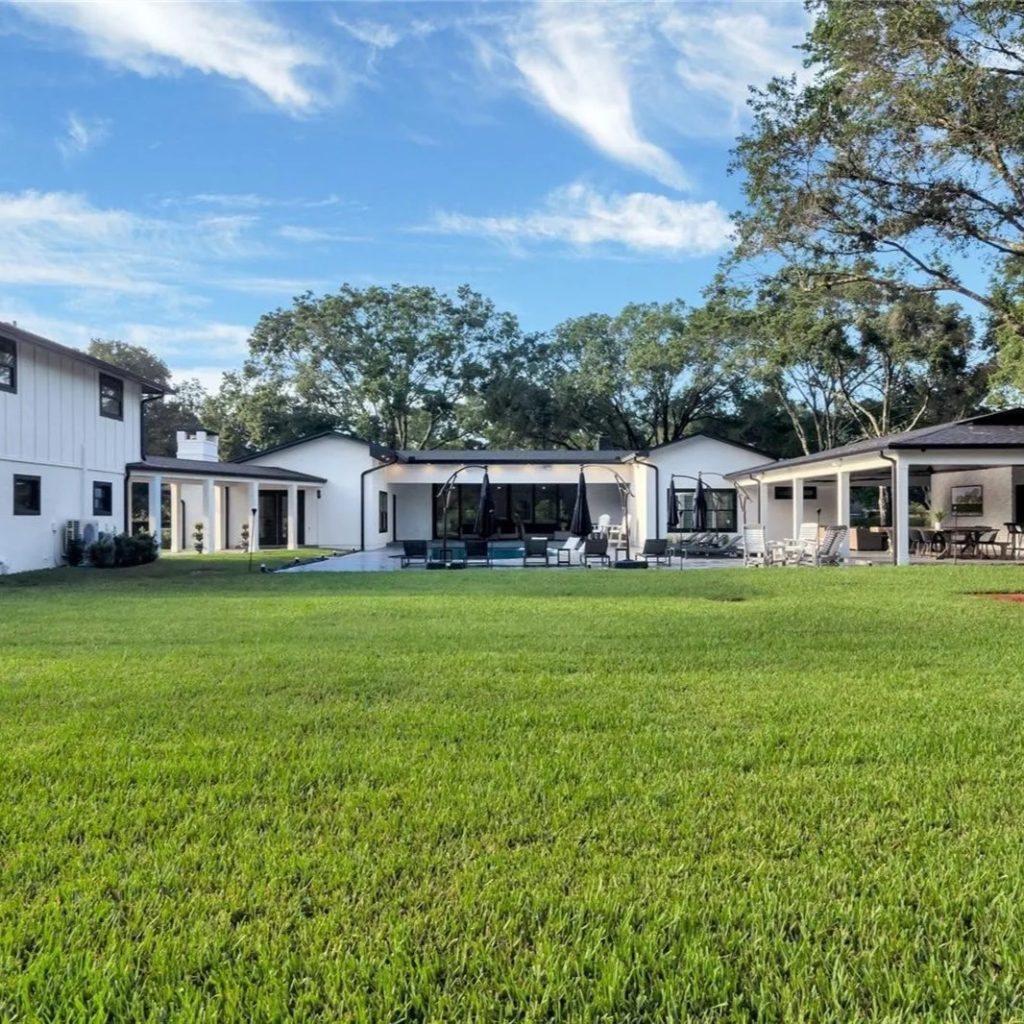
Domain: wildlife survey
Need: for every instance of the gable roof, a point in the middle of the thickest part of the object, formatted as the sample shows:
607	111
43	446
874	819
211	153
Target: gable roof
713	437
14	333
376	450
1002	429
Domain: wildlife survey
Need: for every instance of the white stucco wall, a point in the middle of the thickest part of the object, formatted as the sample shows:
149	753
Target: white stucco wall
52	428
333	520
692	456
998	495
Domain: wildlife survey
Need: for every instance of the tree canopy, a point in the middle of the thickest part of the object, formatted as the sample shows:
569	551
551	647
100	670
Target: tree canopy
900	157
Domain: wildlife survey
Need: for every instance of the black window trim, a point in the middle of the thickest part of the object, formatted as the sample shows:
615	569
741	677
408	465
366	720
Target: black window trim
25	478
108	508
107	379
382	511
12	347
718	508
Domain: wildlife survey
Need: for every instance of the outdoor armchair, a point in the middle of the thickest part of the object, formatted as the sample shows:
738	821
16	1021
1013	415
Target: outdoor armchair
535	551
755	546
656	550
595	548
413	551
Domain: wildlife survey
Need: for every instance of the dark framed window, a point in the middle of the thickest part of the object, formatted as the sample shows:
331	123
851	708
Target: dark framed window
102	498
8	365
721	510
518	508
784	492
382	511
111	397
28	495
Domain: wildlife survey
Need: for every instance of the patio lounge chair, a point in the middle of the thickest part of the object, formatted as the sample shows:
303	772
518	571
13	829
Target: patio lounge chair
655	550
563	554
694	544
413	551
725	545
755	546
595	547
535	551
830	550
478	552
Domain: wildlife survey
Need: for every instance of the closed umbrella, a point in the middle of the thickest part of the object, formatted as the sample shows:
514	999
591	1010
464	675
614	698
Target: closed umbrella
581	525
700	507
486	521
672	526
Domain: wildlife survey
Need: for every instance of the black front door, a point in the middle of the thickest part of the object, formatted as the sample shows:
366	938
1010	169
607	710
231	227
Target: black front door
273	519
1018	504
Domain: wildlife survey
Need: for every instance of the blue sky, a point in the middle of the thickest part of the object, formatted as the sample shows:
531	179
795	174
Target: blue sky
172	171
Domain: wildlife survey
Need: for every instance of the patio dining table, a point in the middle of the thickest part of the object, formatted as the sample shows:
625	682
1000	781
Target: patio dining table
967	538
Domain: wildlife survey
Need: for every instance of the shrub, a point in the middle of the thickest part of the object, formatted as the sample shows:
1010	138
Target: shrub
197	537
76	551
109	551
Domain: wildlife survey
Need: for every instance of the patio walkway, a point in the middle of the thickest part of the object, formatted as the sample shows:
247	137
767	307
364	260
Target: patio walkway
387	560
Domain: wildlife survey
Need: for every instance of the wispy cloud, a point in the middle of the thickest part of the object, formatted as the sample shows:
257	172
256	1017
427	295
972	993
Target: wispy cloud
578	68
233	40
579	217
304	233
373	33
254	201
81	134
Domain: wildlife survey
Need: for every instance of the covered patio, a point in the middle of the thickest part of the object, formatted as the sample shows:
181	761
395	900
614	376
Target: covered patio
971	472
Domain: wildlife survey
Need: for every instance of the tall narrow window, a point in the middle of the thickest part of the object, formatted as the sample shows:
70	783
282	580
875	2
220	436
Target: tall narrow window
8	365
111	397
102	498
27	495
382	511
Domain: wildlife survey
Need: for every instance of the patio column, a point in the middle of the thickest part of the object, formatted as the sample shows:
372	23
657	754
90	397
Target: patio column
252	516
293	517
901	512
207	516
798	505
221	542
155	483
175	518
843	505
762	503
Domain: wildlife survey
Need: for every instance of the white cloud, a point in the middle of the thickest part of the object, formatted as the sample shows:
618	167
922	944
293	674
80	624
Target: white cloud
578	68
578	216
59	239
303	233
81	134
372	33
233	40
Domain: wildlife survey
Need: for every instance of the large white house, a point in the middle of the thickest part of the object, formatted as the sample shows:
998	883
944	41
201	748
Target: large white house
69	425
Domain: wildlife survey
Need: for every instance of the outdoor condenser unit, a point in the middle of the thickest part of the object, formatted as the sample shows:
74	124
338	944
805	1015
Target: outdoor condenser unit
72	531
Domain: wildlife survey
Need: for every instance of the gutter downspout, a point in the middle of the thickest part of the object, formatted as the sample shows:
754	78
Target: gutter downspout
362	497
892	487
641	461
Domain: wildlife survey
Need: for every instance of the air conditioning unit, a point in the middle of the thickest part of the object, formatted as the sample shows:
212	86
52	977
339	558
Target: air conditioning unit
72	531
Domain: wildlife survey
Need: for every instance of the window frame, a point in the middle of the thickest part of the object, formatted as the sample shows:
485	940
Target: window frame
9	347
37	481
106	380
382	511
717	509
108	508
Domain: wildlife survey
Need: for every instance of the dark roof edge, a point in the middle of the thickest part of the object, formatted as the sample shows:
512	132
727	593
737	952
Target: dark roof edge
224	469
13	333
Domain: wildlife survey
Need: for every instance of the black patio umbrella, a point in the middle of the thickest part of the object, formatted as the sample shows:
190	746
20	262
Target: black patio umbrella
486	522
700	507
581	525
672	526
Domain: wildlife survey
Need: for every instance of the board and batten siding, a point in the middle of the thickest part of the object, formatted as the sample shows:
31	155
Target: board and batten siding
51	428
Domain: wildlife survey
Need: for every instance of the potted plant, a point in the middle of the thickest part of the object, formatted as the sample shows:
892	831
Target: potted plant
198	539
938	514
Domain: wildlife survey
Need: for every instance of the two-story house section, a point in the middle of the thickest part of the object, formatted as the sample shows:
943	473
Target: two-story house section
69	425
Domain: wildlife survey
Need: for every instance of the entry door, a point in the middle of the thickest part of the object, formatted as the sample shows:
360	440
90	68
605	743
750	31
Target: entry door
273	518
1018	504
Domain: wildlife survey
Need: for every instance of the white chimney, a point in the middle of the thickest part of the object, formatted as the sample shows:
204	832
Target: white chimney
199	446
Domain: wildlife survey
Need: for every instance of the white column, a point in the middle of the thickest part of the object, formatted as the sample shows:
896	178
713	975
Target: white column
207	517
901	512
155	483
843	506
252	516
175	518
762	504
221	541
293	516
798	505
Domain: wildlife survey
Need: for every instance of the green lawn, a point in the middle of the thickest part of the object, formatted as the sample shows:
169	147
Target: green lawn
511	795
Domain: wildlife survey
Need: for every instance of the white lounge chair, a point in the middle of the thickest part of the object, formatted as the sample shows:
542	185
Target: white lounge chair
830	550
755	546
